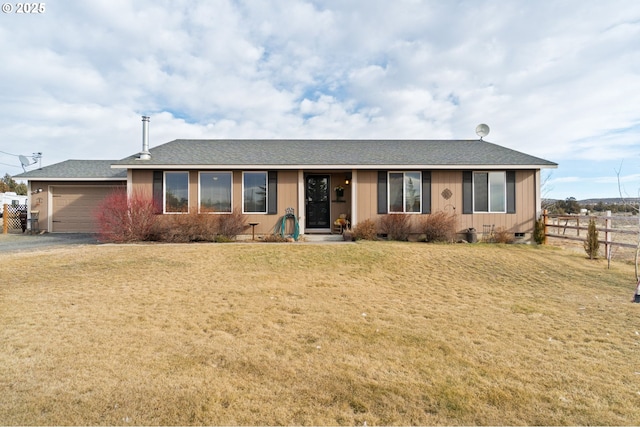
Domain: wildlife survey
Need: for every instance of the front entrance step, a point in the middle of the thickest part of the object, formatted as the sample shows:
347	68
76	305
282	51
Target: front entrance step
323	238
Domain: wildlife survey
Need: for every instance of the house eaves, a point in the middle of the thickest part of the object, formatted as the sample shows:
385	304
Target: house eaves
76	170
333	167
333	154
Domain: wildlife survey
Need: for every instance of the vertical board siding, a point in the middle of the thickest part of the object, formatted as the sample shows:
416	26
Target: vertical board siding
367	203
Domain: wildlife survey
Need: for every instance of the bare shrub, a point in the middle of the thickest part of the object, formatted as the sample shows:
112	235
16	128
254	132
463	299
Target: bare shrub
396	226
274	238
439	227
125	219
199	227
231	225
365	230
187	227
502	235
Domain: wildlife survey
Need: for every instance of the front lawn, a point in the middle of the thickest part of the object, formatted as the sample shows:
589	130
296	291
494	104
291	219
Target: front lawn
375	332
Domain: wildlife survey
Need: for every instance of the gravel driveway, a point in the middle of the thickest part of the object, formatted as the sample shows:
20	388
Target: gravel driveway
27	242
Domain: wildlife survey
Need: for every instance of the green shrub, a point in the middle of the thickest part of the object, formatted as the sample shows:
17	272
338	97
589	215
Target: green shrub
538	232
365	230
396	226
591	244
439	227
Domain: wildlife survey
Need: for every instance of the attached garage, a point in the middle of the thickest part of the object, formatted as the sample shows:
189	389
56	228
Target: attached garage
64	196
73	207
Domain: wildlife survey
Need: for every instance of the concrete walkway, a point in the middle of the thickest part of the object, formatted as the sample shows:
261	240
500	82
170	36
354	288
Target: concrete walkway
25	242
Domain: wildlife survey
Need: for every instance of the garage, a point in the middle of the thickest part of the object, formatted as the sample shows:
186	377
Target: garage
73	207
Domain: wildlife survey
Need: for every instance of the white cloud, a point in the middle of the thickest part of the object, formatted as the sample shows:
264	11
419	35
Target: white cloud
554	79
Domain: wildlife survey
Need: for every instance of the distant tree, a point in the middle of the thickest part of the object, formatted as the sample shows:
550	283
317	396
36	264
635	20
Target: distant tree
568	206
571	205
7	183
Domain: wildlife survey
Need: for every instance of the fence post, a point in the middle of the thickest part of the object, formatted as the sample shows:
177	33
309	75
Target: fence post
607	235
545	217
5	219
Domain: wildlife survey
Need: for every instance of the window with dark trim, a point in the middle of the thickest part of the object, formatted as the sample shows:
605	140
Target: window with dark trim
176	192
215	192
405	192
488	192
158	194
254	192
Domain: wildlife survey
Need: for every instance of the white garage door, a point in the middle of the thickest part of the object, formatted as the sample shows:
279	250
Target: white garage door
73	208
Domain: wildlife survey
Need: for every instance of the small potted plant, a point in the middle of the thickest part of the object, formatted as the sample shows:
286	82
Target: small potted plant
339	192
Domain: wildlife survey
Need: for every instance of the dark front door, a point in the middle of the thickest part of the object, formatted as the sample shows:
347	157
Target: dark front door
318	203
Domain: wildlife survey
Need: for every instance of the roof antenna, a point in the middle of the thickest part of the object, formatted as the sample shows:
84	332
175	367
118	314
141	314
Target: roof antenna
482	130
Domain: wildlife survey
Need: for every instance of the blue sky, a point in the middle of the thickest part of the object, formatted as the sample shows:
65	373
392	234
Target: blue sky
555	79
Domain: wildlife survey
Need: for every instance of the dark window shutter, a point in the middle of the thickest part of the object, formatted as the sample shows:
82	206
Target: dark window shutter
426	192
272	203
467	192
511	192
157	191
382	192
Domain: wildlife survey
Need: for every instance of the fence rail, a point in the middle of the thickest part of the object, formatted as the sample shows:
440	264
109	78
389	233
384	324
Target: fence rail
622	235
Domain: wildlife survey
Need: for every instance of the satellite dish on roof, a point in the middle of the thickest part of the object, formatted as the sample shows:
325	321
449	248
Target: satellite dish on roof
482	130
26	162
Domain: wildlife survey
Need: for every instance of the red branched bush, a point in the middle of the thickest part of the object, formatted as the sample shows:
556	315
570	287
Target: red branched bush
125	219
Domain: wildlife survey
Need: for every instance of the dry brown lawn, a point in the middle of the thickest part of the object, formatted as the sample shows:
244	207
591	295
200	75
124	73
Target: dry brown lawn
375	332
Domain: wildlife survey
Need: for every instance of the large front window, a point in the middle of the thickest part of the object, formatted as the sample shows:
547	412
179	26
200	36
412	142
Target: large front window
176	194
489	192
215	192
254	190
405	192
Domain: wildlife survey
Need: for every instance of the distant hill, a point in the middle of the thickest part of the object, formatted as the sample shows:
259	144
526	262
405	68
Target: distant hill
605	200
610	201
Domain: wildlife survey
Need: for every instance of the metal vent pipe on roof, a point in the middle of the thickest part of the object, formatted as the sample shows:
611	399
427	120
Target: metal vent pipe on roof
145	154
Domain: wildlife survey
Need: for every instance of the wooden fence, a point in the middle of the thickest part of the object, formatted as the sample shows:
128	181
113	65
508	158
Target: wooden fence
621	231
14	218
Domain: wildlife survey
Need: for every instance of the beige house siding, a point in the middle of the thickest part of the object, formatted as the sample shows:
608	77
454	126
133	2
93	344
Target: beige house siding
520	222
367	195
141	183
366	204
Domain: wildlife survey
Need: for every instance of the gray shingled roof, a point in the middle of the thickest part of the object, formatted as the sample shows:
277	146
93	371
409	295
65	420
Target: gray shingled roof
90	170
285	153
347	153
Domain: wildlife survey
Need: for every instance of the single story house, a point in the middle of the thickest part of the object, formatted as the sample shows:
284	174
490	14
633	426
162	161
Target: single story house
482	183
